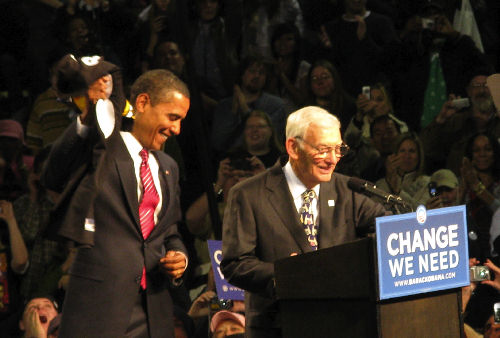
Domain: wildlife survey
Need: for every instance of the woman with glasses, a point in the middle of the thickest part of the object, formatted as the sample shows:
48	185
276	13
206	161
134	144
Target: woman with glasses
327	92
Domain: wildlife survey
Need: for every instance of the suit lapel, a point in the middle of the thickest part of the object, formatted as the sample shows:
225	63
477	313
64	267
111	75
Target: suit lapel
125	168
281	200
327	201
165	182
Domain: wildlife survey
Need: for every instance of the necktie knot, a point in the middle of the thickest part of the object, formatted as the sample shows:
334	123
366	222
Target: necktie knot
144	155
308	195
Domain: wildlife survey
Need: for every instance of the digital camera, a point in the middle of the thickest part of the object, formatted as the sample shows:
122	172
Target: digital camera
479	273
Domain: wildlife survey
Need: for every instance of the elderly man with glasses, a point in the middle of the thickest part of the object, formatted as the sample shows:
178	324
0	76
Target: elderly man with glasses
299	205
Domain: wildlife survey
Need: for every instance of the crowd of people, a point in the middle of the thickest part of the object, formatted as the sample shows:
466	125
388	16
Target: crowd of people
395	84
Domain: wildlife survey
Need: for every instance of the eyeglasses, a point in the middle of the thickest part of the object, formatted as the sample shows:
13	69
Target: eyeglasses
478	85
324	76
340	150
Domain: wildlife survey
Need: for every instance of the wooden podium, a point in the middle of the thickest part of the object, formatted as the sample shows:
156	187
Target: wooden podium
333	292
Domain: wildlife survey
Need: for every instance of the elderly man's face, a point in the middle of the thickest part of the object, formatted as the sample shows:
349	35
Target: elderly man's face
310	164
154	124
480	95
42	308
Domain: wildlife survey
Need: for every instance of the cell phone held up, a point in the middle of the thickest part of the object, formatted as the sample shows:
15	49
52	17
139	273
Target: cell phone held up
366	92
496	313
433	189
460	103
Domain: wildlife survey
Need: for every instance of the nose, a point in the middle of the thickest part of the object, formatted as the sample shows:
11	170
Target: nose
176	128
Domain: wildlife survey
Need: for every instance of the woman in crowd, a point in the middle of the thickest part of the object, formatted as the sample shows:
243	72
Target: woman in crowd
326	91
481	185
368	108
405	171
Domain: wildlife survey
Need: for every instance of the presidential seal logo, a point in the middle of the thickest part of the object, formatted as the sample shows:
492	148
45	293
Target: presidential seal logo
421	214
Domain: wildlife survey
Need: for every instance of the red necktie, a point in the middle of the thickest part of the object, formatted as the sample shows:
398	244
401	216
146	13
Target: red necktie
150	199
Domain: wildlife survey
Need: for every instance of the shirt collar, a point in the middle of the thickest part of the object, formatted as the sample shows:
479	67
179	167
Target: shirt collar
132	144
295	184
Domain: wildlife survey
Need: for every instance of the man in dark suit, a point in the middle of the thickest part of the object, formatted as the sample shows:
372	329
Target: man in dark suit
123	206
267	218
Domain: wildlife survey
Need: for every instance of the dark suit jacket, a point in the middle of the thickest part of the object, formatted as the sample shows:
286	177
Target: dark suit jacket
106	273
261	225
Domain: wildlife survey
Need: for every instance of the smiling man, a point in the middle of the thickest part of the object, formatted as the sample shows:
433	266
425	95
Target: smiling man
122	206
297	206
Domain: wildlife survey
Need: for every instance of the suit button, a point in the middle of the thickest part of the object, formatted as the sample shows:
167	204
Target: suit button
144	245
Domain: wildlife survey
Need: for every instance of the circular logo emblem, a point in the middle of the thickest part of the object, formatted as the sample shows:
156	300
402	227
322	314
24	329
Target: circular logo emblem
421	214
91	60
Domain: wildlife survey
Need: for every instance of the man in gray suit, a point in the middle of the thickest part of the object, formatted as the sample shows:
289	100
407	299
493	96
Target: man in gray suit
297	206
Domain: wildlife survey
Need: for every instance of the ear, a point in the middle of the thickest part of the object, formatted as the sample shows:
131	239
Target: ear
141	102
21	325
292	148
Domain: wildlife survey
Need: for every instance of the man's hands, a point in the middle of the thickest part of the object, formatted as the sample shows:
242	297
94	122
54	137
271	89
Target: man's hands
32	324
100	89
173	264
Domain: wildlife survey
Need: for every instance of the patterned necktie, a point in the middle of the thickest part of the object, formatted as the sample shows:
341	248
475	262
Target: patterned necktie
307	217
147	206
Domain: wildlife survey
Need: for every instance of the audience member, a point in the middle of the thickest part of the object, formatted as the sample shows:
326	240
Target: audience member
14	163
37	316
288	78
371	153
357	42
259	19
155	23
168	55
327	92
431	62
481	185
248	95
405	171
227	324
48	258
444	138
13	263
259	139
213	48
447	190
49	116
378	103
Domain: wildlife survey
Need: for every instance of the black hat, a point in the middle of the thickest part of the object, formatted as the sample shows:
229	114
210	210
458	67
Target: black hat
73	76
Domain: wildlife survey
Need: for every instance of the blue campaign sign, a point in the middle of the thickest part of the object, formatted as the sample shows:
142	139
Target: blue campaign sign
423	251
224	289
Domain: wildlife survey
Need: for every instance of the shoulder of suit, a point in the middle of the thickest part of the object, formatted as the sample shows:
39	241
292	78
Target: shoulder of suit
164	158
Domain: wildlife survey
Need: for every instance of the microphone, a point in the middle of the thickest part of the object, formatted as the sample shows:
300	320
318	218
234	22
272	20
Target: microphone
370	189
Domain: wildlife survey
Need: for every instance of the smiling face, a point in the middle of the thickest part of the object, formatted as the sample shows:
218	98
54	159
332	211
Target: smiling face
154	124
168	56
322	82
45	310
308	167
482	153
408	150
257	133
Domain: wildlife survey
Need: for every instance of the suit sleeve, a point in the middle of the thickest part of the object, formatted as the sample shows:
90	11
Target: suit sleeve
240	264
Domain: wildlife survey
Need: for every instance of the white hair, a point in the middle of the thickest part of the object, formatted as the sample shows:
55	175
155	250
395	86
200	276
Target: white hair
299	121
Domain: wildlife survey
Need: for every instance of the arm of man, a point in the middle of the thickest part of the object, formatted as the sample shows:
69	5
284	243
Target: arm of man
240	264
